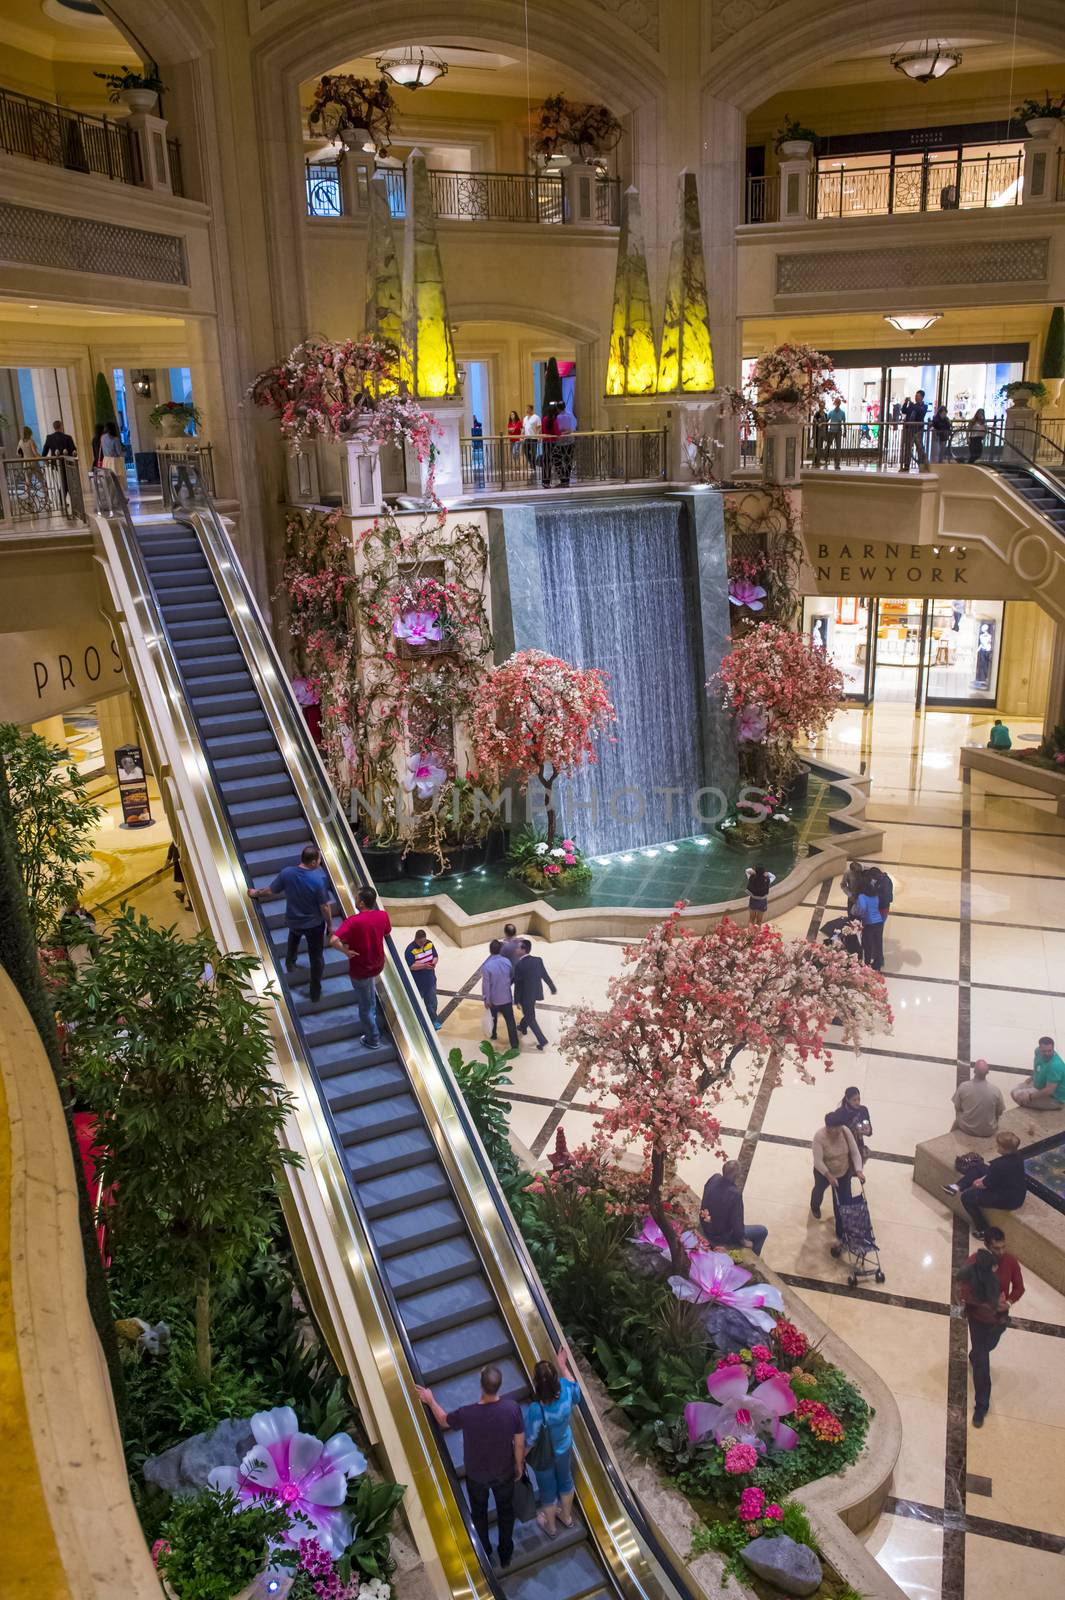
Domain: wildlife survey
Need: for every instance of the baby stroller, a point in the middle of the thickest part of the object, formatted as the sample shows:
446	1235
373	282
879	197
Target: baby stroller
859	1241
834	933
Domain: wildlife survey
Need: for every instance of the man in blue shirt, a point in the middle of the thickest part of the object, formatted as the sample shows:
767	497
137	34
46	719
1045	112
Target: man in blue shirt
835	423
308	910
867	910
497	991
421	957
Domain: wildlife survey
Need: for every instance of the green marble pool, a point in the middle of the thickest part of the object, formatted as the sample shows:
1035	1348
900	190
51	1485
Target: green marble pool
701	870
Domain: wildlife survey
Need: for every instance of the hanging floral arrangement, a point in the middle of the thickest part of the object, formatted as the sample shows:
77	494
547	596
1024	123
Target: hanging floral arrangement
788	376
591	130
345	103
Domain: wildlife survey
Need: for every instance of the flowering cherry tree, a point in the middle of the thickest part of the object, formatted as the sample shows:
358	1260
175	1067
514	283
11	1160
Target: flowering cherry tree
681	1012
538	715
777	688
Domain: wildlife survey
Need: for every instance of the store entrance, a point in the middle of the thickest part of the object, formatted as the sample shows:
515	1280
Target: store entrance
941	652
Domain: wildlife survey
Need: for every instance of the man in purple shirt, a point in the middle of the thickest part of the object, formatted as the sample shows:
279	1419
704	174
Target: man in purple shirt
497	991
493	1455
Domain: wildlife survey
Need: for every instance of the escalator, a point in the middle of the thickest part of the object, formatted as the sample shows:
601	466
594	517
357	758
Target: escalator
1034	467
396	1194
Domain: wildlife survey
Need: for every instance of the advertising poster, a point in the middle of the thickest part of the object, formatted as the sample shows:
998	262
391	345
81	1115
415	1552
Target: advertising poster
133	786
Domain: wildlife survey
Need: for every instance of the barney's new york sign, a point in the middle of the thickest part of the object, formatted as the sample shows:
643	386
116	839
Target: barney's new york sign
878	567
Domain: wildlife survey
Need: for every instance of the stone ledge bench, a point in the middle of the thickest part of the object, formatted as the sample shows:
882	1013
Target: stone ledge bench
1036	1232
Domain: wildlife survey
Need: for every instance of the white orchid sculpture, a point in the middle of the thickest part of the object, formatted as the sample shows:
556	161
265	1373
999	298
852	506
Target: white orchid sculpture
300	1473
750	1418
715	1279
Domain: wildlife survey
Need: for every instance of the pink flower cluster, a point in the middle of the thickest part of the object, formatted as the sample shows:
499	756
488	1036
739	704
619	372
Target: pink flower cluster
787	375
790	1342
822	1423
791	684
325	1581
740	1458
752	1506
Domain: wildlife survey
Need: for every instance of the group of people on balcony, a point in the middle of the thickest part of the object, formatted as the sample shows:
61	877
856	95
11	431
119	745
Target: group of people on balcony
544	439
919	434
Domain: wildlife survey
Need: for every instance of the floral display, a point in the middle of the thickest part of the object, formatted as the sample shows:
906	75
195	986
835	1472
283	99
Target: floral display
765	550
342	102
418	627
652	1236
319	1576
336	390
298	1471
715	1279
777	688
424	776
740	1459
744	592
753	1506
750	1416
551	869
538	715
822	1423
790	375
182	411
589	129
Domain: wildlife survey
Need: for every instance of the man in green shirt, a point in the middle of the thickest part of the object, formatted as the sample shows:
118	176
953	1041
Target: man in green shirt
1045	1089
1000	736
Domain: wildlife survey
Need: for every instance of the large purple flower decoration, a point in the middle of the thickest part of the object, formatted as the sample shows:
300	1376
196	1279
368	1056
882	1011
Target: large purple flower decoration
418	627
742	592
652	1236
751	725
751	1418
715	1279
298	1472
424	776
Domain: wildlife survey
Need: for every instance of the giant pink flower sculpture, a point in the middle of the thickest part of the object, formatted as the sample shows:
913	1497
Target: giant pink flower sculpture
418	627
742	592
735	1414
652	1236
715	1279
299	1473
424	776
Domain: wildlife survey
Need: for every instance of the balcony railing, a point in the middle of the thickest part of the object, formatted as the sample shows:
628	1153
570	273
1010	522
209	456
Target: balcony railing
43	487
469	196
71	139
496	461
967	184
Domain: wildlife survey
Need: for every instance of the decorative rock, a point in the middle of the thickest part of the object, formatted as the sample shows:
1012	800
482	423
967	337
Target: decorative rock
730	1330
778	1560
182	1470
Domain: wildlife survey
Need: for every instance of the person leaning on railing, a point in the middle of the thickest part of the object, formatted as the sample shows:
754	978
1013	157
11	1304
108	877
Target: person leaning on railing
977	432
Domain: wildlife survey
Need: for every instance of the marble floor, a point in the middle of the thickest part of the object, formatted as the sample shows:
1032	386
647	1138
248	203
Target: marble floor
976	961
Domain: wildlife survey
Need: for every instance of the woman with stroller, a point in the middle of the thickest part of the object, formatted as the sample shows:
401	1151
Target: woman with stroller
837	1160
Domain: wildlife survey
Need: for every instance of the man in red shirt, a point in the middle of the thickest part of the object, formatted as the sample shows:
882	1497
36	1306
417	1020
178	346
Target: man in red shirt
362	939
987	1321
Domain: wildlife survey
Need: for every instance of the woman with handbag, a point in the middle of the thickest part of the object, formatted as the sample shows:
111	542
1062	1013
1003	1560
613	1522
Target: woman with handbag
549	1440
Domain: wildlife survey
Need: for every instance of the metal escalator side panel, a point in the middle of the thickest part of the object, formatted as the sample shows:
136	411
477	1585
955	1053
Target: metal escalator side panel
641	1564
334	1252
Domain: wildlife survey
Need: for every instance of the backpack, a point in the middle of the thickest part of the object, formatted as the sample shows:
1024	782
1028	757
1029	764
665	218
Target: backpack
542	1454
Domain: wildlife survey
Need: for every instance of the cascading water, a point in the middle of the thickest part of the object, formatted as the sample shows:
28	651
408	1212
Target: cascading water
618	595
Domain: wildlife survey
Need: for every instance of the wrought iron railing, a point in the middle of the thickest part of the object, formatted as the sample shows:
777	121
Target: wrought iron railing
892	446
43	131
40	488
630	455
956	184
469	196
181	468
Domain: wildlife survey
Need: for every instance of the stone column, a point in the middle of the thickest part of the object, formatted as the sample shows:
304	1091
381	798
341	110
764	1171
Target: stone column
361	479
782	449
1021	432
149	132
1042	154
578	192
356	174
448	415
721	189
796	180
1055	712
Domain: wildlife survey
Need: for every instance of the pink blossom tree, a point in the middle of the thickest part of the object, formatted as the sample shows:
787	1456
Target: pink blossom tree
778	688
538	715
680	1015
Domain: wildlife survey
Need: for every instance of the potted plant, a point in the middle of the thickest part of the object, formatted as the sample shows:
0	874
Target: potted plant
1025	392
136	90
1043	117
794	140
357	111
172	417
568	128
211	1548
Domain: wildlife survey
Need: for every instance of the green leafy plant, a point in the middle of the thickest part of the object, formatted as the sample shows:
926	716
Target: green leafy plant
1033	110
183	410
211	1549
104	402
796	1524
176	1067
791	129
128	79
54	822
728	1539
529	855
373	1507
482	1083
1053	363
1026	389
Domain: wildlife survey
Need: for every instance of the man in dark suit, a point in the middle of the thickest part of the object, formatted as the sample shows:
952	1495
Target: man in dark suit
59	442
530	975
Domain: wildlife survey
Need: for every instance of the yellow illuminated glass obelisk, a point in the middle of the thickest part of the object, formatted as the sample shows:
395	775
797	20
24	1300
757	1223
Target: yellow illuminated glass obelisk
687	363
427	359
632	361
384	286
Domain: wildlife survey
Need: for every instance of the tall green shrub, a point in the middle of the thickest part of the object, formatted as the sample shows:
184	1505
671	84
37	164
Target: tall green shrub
1054	350
176	1065
53	824
104	403
552	385
19	959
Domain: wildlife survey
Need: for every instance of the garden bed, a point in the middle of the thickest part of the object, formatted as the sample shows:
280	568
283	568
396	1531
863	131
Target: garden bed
1032	769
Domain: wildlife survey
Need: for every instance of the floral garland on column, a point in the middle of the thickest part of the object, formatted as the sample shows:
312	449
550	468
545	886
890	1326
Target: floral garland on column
765	554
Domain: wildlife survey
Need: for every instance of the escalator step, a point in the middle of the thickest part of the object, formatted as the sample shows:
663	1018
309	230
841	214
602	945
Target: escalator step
228	660
243	813
392	1113
211	727
269	860
432	1266
206	609
276	830
573	1571
189	575
455	1350
436	1219
162	561
219	702
531	1544
235	790
217	627
340	1022
358	1087
187	594
336	992
221	682
445	1307
201	644
335	966
262	762
226	746
348	1055
378	1156
398	1191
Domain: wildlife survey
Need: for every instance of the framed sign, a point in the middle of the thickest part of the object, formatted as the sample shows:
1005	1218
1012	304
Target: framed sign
133	786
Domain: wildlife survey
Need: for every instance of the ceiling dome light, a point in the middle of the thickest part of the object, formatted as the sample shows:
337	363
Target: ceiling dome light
931	58
413	67
913	321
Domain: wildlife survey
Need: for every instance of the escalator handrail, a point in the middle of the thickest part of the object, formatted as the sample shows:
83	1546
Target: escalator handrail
311	762
111	502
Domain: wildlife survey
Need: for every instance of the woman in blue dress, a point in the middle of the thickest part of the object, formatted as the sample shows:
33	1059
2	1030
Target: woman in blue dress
555	1393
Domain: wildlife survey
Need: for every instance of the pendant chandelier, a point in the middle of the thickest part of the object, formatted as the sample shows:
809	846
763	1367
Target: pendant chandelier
413	67
926	60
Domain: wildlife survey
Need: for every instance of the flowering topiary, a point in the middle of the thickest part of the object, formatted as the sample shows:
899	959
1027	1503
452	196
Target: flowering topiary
777	688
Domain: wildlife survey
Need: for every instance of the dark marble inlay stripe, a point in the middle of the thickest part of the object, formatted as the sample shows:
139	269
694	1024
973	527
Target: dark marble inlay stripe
986	1527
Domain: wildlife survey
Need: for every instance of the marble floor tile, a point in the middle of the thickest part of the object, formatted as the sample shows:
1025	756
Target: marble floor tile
907	1348
910	844
1025	1463
1016	957
1019	901
910	1552
920	947
994	1568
